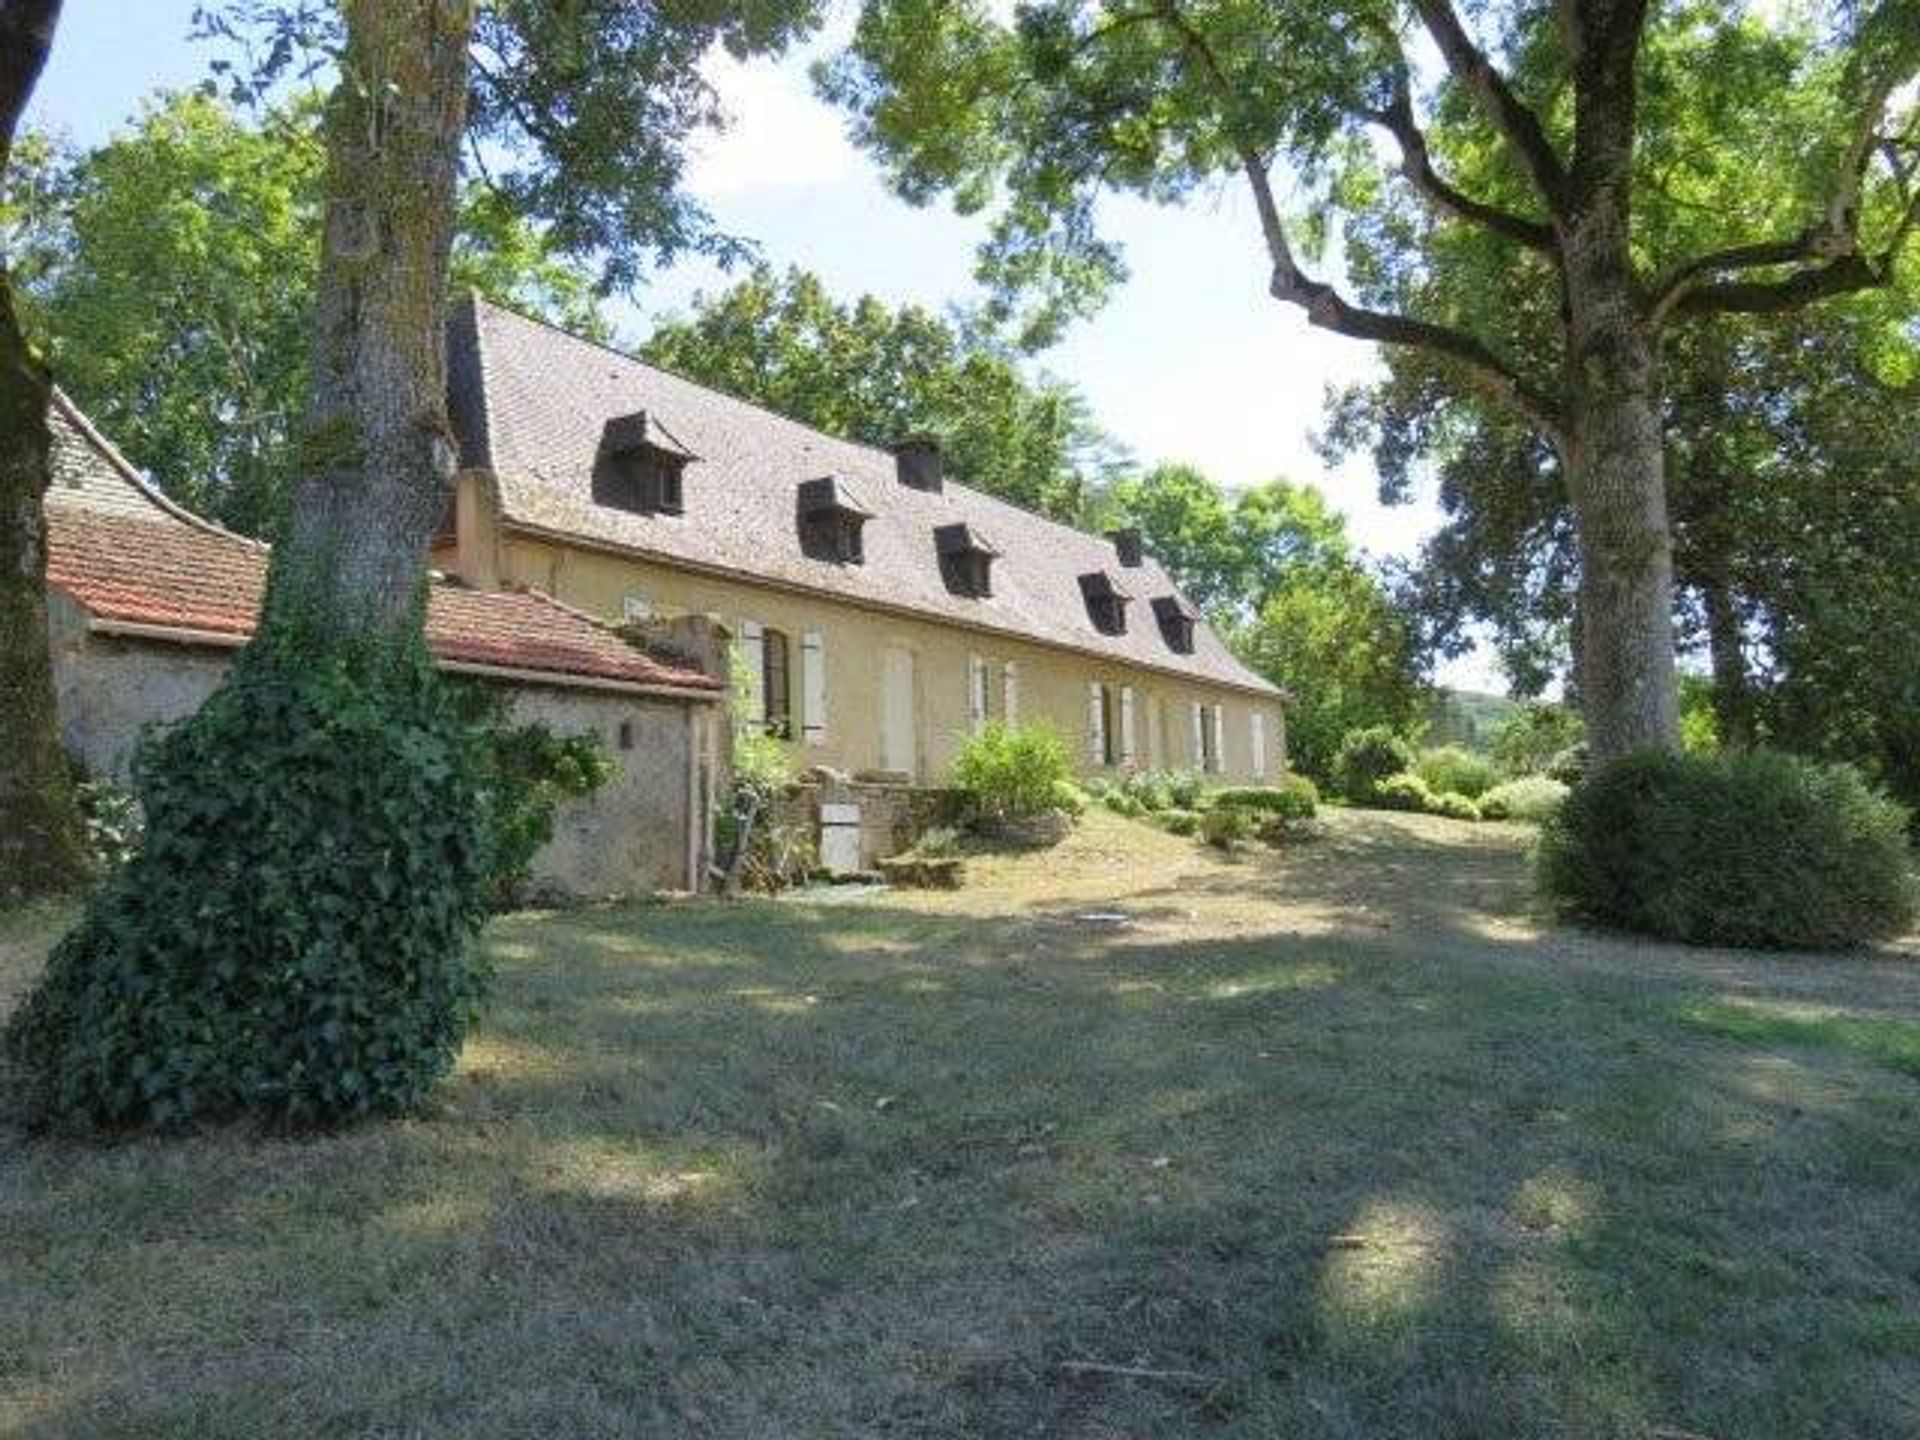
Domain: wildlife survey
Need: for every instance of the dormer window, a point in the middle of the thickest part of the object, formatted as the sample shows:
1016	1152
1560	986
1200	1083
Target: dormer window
830	521
640	467
1176	619
966	560
1106	602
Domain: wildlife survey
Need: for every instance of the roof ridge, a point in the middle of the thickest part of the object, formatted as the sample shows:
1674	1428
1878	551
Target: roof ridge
111	453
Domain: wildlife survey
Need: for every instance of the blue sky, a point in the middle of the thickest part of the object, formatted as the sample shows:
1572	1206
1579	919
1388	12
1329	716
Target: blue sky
1191	361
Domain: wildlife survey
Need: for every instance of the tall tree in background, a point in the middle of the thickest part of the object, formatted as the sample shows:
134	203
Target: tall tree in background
875	374
173	270
1273	567
292	938
1044	112
40	845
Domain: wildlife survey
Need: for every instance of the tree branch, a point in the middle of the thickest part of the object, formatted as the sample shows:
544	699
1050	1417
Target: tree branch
26	35
1416	164
1326	308
1833	240
1517	124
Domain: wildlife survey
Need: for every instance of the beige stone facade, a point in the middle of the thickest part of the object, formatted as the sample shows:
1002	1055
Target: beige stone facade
842	720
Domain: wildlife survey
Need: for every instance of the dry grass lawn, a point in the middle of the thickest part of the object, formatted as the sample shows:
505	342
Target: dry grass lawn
1125	1140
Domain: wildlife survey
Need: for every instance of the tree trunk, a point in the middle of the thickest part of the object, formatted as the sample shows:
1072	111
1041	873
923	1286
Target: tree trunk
1732	694
40	835
1616	481
376	453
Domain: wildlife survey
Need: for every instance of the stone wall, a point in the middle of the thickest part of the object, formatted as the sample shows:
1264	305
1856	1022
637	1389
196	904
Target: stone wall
892	814
643	831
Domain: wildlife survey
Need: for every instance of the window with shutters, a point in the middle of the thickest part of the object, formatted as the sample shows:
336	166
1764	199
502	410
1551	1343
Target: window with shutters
1103	724
1127	750
776	695
976	694
1257	734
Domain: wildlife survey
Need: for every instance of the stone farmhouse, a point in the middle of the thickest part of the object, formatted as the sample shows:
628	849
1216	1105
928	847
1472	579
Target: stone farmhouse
147	604
882	611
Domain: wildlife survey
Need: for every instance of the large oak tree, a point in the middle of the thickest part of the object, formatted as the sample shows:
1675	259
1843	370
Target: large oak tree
1036	117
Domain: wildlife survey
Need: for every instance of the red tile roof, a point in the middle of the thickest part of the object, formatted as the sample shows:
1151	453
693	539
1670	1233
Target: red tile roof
154	565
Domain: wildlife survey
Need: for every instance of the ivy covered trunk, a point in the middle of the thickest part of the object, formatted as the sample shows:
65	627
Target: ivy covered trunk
376	451
40	846
294	939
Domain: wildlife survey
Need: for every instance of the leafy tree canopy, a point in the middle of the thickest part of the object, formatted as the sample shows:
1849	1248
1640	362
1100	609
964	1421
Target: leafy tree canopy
172	270
874	373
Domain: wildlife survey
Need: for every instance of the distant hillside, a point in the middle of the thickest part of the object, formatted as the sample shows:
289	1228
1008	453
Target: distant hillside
1466	717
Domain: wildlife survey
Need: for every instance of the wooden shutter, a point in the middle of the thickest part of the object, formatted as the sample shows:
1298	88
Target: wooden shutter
1097	723
813	687
1258	733
1010	692
1219	738
779	696
976	694
1199	736
753	663
1126	725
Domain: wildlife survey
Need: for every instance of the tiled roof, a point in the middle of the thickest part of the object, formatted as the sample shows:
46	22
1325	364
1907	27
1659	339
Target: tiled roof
531	404
126	554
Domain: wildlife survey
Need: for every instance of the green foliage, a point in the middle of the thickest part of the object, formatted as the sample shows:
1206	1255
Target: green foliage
1467	718
1334	637
1405	791
1229	552
1178	822
1366	758
1012	772
1534	734
1451	768
1227	826
1294	798
110	816
1069	799
1120	802
1699	725
293	939
1184	788
1569	767
1150	789
1533	798
1452	805
172	270
877	375
528	772
1756	849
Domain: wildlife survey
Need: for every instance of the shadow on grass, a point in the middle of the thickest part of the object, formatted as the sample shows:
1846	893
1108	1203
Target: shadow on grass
776	1169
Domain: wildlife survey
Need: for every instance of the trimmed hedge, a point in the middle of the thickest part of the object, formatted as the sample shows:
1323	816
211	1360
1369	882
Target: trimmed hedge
1294	798
1755	849
1451	768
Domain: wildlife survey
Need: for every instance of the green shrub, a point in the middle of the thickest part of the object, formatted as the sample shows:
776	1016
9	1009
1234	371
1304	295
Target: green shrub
111	821
1009	772
1450	768
1367	758
1405	791
1754	849
1226	826
1184	788
293	939
1070	799
1121	803
1452	805
528	771
1294	798
1178	822
1532	798
1150	789
1569	767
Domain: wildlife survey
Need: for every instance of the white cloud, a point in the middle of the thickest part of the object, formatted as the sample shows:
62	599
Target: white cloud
778	133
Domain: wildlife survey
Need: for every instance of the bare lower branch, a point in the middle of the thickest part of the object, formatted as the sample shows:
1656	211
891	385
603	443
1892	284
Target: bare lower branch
1517	124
